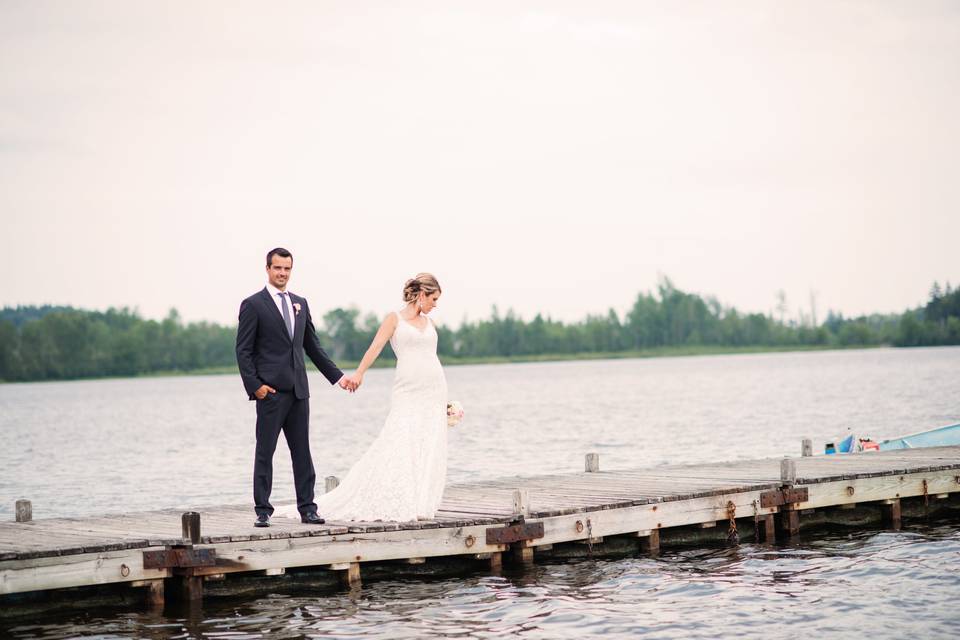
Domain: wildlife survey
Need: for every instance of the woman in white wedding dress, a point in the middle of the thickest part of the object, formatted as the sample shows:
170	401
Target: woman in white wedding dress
402	475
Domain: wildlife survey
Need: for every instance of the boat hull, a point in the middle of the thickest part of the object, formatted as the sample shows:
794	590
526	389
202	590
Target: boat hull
942	437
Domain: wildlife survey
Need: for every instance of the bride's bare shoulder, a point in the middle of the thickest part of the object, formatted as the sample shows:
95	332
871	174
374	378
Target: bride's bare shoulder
387	327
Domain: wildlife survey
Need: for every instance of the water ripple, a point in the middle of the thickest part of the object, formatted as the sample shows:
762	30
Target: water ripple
874	584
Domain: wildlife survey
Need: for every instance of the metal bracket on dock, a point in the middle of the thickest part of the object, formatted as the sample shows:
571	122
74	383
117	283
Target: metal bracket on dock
786	495
179	557
515	533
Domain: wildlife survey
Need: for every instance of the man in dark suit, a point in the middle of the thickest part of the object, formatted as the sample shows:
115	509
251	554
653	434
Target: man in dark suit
274	332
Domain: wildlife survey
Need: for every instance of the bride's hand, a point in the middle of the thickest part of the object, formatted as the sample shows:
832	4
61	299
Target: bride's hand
356	380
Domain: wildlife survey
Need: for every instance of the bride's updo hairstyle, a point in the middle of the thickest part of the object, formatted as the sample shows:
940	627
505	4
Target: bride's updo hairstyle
424	282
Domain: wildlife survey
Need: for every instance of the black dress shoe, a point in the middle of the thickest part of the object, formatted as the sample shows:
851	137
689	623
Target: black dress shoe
311	518
263	520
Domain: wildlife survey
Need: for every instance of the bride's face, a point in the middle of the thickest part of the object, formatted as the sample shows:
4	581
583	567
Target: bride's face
428	303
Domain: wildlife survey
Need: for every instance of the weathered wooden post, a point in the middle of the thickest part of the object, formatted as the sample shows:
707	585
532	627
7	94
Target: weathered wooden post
155	593
349	574
891	513
187	588
190	522
190	587
806	447
650	541
789	516
521	502
153	589
592	463
788	472
768	530
331	483
24	511
522	551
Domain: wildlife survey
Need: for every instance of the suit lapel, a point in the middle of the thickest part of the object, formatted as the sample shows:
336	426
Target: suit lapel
272	306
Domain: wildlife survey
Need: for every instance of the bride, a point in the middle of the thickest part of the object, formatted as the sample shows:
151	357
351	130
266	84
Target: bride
402	475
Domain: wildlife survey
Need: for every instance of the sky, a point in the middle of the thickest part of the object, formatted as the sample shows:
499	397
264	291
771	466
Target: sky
554	157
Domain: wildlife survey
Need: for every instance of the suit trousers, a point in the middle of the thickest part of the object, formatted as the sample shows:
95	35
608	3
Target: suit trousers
282	411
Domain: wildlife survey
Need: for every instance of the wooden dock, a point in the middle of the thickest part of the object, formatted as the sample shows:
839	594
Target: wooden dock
171	554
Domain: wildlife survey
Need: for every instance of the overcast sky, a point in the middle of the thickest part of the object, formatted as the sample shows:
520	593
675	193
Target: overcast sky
553	157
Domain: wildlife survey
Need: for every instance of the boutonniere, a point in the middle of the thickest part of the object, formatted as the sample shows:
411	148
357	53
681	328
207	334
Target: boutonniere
296	308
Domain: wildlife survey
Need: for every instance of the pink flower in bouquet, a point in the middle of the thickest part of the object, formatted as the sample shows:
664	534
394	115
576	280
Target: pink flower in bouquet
454	413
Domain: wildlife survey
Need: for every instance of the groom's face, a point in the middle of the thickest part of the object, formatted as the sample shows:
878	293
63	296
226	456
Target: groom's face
279	271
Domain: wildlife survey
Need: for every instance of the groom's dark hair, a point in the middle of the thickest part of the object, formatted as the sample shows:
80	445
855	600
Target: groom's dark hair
279	251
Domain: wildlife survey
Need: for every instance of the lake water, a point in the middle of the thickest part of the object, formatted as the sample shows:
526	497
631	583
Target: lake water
108	446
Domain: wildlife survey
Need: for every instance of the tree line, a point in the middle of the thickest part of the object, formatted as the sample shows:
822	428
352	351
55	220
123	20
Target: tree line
59	343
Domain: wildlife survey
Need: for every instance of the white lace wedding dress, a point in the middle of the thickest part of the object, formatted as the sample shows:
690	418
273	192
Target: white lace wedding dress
402	475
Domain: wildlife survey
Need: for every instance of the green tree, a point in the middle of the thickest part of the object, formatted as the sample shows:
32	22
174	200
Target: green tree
9	351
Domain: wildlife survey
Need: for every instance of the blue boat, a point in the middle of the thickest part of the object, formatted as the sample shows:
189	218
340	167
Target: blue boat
940	437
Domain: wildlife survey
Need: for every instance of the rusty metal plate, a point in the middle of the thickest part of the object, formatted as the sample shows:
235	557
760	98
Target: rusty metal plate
173	558
793	495
515	533
771	499
779	497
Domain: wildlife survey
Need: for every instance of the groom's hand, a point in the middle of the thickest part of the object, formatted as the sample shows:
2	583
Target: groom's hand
262	392
355	380
347	384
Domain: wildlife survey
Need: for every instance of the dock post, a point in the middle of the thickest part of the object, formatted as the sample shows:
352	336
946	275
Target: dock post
24	510
788	472
351	577
592	463
185	586
789	517
891	513
789	520
155	593
190	522
768	530
521	503
650	544
496	562
348	573
806	447
331	483
522	552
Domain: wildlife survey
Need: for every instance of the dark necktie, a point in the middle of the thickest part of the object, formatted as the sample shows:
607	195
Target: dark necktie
286	314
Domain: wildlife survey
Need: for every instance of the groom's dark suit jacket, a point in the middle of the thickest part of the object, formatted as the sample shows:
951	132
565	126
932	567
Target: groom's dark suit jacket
267	355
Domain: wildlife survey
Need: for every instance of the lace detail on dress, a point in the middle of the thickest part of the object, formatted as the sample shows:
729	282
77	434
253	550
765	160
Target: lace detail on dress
402	475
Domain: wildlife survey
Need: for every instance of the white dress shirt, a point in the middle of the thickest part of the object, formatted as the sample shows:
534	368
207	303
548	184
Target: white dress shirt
278	300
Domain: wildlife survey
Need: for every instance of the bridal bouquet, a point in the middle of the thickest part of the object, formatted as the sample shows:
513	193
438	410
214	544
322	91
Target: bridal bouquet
454	413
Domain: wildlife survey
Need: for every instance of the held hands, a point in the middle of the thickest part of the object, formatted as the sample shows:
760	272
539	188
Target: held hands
262	392
357	380
351	383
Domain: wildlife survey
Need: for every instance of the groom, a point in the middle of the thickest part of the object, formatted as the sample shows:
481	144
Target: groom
274	332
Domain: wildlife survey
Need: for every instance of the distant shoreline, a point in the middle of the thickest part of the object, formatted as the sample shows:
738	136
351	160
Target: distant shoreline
660	352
